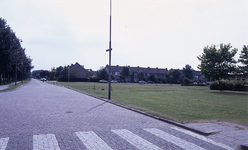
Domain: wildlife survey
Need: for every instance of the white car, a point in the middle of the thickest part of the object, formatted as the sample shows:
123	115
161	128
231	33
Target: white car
103	81
114	81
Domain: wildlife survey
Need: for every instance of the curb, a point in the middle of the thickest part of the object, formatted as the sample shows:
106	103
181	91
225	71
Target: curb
144	113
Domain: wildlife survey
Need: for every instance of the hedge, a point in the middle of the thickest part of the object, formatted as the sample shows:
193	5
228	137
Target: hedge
78	80
228	85
192	84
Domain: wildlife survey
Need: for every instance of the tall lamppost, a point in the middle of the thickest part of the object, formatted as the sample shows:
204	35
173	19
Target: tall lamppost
109	50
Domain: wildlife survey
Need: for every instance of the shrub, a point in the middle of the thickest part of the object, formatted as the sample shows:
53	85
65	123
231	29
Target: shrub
78	80
186	80
214	85
227	85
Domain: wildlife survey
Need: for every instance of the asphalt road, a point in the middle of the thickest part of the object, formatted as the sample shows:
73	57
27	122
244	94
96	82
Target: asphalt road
44	116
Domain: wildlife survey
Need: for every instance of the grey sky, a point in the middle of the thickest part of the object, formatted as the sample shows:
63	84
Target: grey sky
155	33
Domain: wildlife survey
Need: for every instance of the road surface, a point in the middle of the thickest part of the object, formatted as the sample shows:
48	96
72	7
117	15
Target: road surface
44	116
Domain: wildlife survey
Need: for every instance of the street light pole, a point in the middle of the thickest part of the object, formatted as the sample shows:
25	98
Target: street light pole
109	50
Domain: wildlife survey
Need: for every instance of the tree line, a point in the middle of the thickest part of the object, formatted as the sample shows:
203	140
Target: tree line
54	74
14	63
219	63
173	76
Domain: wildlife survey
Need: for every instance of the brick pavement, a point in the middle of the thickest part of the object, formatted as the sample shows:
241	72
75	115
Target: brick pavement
58	114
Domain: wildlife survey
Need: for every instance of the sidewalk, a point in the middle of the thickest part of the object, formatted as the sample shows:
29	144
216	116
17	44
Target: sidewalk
231	134
3	87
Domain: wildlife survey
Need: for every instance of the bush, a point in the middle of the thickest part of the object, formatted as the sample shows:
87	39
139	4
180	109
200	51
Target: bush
186	80
227	85
78	80
214	85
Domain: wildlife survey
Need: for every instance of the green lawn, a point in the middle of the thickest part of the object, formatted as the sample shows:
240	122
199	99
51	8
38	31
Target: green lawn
175	102
13	86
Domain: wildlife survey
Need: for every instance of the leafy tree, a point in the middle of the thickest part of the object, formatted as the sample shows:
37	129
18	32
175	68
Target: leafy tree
13	60
216	64
243	59
102	74
125	73
153	78
173	76
132	76
188	72
141	75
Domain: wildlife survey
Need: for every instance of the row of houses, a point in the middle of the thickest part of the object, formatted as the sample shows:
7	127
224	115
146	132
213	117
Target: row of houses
78	71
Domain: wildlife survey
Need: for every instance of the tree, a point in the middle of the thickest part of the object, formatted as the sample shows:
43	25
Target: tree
153	78
243	59
141	75
216	64
13	60
102	74
125	73
132	76
173	76
188	72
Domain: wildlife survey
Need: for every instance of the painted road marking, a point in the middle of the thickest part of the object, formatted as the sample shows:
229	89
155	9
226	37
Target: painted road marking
45	141
135	140
203	138
3	143
92	141
173	139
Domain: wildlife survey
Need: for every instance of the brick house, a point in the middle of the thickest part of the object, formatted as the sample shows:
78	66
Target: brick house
115	71
77	71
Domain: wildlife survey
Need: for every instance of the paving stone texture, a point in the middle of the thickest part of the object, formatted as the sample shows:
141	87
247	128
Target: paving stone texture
44	116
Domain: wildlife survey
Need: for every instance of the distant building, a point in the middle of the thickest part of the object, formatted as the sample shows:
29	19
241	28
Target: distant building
115	71
77	71
159	72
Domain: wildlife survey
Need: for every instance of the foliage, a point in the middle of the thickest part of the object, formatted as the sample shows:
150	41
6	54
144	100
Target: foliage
173	76
186	80
102	74
141	75
132	76
188	72
153	78
79	80
125	73
13	60
227	85
243	59
216	64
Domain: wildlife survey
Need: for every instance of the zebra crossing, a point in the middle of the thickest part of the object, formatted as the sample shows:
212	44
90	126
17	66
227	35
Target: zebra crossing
92	141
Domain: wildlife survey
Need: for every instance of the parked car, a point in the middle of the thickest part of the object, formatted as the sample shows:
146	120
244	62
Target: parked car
103	81
150	82
142	82
114	81
43	79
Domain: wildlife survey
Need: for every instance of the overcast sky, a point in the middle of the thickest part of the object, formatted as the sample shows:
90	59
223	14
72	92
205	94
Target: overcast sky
154	33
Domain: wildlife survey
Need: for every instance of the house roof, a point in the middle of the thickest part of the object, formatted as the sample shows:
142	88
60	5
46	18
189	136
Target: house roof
138	69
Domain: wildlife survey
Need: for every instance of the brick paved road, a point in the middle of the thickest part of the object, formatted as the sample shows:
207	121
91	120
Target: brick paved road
43	116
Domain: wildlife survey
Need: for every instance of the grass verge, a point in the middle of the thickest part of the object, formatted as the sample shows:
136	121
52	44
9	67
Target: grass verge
12	86
179	103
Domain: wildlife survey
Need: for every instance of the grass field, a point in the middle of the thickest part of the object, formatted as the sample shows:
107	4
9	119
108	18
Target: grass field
13	86
179	103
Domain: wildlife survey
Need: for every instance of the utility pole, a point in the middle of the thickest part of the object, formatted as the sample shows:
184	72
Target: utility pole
109	50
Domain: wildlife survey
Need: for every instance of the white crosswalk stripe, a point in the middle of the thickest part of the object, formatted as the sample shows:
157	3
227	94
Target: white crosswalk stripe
135	140
92	141
203	138
45	141
3	143
173	139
